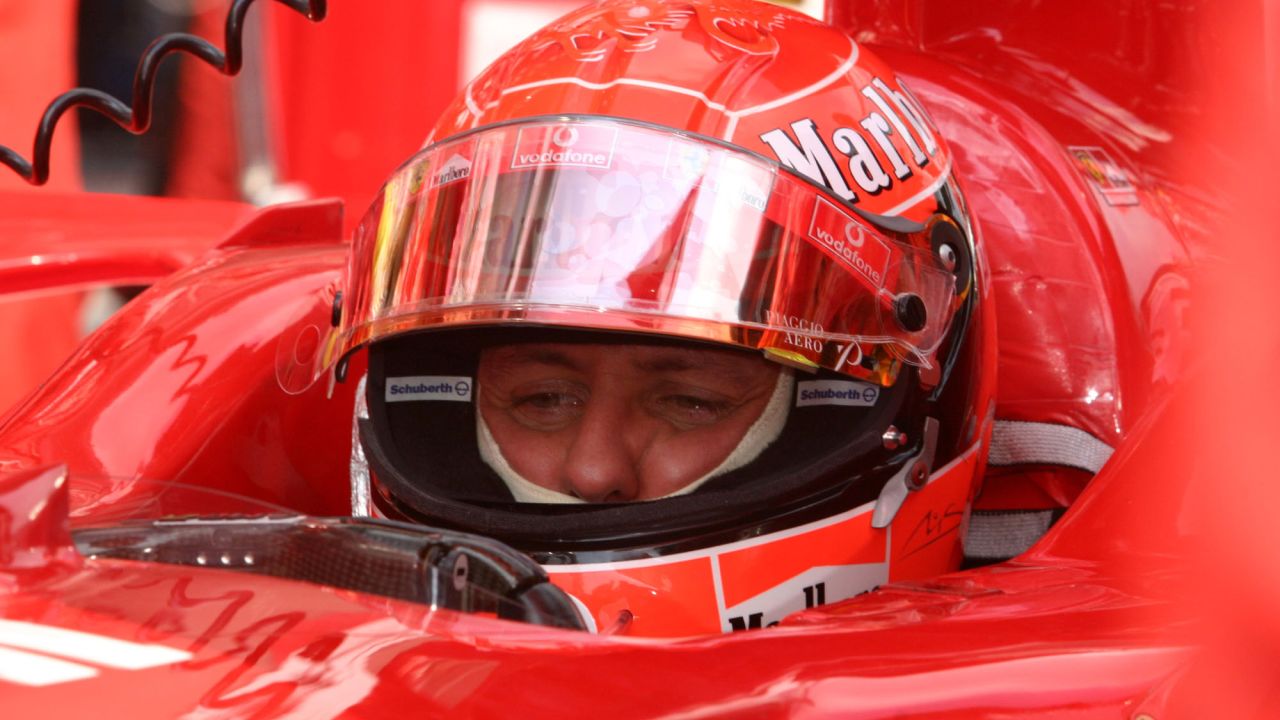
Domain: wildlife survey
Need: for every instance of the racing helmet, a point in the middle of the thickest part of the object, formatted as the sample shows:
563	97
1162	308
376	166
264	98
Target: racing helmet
722	174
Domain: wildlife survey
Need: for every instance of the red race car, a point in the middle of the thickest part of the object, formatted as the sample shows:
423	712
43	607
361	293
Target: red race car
962	239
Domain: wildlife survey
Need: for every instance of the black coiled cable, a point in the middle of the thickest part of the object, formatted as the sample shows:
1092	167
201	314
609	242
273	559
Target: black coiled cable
137	119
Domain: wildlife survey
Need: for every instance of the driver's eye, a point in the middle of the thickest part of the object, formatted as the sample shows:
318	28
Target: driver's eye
549	401
691	403
548	409
692	409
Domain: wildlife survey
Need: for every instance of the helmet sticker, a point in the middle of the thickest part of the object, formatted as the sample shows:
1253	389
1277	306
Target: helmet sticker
809	589
565	144
844	240
809	155
454	169
807	334
429	387
1105	175
911	110
836	392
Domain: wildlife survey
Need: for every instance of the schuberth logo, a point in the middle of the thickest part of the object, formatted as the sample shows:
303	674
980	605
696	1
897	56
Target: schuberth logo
872	171
578	145
836	392
428	387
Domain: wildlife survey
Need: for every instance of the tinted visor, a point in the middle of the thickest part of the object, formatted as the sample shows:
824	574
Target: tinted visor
620	227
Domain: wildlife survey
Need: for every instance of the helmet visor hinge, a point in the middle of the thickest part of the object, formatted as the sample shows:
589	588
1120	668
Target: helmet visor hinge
912	476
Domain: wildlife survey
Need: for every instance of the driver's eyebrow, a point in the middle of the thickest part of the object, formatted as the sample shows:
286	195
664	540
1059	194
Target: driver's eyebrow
670	363
679	360
528	354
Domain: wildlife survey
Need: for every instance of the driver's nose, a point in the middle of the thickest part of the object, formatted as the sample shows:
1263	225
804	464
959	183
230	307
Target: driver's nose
601	465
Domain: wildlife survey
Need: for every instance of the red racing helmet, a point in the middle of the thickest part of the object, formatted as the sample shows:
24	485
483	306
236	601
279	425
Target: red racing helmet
704	173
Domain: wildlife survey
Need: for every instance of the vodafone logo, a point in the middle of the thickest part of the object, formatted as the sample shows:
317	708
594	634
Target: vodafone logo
565	137
844	239
853	235
573	145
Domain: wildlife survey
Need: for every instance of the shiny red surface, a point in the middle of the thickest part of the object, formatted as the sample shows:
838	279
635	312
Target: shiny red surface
56	241
1074	275
1095	621
35	538
57	246
1091	297
183	380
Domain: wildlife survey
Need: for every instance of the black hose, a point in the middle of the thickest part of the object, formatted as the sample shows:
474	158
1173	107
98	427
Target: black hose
137	119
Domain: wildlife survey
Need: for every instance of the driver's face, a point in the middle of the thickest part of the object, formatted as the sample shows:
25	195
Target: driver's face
610	423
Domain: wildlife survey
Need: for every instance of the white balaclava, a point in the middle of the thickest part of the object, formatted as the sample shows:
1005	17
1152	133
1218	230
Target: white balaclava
759	436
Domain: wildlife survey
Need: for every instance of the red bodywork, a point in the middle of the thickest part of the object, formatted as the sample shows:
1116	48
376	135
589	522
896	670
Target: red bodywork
1097	620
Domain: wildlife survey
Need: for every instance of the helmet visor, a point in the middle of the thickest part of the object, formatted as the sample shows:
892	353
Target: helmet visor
609	225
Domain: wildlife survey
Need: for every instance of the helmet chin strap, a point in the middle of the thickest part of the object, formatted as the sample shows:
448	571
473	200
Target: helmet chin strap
759	436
